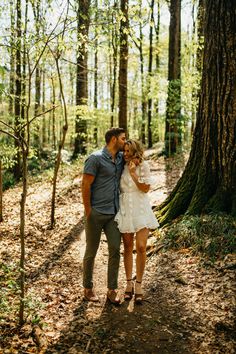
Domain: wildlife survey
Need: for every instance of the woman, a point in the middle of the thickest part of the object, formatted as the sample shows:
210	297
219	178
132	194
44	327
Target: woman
135	216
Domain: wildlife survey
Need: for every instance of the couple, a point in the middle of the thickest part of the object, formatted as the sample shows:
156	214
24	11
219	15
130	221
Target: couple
106	173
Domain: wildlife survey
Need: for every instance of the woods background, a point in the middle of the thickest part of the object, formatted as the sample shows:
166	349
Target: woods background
114	63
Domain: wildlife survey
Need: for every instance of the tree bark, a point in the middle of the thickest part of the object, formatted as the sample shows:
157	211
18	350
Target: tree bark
1	192
143	95
12	61
17	105
61	144
82	76
173	113
36	11
95	101
123	70
150	73
22	233
114	42
208	183
44	139
157	30
53	100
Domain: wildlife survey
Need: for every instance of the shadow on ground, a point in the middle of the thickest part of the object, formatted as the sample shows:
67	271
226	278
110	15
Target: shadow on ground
156	326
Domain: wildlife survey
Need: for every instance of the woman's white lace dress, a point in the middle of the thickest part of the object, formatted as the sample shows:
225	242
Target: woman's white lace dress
135	210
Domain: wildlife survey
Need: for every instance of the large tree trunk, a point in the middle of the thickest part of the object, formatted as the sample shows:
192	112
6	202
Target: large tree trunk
113	70
123	65
173	116
199	55
82	76
209	179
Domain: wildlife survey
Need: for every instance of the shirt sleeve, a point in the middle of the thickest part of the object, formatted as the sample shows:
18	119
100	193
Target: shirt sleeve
91	165
145	175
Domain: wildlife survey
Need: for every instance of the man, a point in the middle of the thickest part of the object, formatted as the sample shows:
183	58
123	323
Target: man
100	193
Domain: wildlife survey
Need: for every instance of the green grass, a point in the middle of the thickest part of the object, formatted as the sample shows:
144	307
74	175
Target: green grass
211	236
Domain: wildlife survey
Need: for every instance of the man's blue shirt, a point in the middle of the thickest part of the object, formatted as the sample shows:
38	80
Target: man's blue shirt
105	187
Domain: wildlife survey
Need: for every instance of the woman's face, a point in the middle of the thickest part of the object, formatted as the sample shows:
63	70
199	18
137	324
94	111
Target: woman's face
128	154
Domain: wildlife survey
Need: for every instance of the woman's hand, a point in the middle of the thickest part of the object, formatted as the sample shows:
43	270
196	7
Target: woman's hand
132	164
132	167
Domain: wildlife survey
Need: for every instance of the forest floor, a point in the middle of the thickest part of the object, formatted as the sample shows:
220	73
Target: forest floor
188	306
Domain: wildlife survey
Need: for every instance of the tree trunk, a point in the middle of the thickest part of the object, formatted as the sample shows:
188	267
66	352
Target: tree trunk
123	70
82	77
143	95
95	101
208	183
173	109
44	139
157	30
17	166
1	192
53	100
24	62
36	11
150	73
114	41
61	144
12	61
199	55
22	234
200	34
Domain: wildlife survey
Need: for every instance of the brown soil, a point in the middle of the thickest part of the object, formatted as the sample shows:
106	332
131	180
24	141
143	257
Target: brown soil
187	309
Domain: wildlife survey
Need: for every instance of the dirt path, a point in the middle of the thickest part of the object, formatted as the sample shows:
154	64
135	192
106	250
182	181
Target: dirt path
187	308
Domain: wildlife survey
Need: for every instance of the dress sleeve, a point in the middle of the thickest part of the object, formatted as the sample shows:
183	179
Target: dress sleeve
144	173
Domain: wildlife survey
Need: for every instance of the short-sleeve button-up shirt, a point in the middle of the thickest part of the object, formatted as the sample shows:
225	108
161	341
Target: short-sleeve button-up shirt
105	187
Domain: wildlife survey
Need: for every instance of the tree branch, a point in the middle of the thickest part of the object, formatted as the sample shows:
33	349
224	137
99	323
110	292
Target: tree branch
7	125
38	115
10	134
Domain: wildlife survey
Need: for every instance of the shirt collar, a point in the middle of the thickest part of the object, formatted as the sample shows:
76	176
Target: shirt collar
108	154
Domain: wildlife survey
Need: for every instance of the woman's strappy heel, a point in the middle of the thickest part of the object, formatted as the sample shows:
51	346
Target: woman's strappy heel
138	297
128	294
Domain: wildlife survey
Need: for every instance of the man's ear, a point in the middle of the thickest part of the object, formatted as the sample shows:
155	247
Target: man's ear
113	139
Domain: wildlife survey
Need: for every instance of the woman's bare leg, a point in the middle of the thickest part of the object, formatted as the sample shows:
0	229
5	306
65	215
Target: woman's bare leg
141	243
128	240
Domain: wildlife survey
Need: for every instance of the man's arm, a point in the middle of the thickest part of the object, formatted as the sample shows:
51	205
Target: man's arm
87	181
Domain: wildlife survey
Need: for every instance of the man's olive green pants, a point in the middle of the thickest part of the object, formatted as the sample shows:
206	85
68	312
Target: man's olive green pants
95	224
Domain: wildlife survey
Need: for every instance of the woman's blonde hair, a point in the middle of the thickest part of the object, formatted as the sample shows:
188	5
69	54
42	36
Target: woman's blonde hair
135	148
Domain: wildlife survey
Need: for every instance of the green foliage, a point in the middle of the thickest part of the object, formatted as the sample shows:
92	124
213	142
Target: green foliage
9	290
8	180
9	296
7	155
211	236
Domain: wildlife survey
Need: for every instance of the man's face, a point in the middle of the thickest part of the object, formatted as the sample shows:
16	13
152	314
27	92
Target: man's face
120	141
